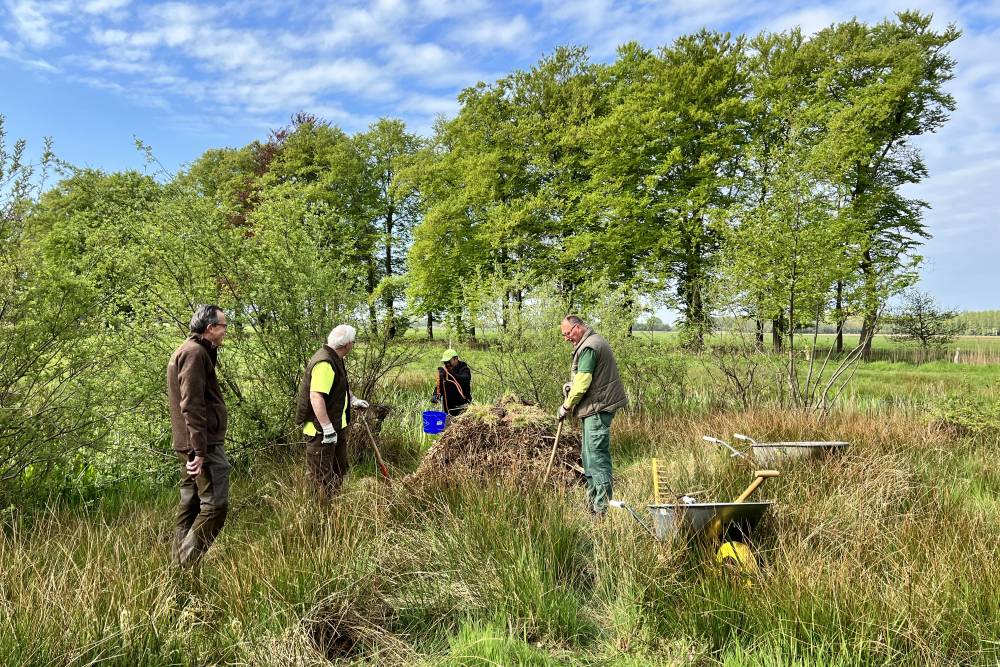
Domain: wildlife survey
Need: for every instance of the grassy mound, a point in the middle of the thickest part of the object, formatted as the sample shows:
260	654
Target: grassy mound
510	439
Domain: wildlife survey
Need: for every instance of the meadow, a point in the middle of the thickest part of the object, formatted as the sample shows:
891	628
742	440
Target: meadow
570	186
885	555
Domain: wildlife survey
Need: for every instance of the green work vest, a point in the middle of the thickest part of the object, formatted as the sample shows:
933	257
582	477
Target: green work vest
606	393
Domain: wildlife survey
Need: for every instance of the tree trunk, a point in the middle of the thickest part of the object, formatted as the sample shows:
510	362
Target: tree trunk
759	335
870	304
372	315
867	333
777	334
430	325
503	311
840	317
390	305
694	311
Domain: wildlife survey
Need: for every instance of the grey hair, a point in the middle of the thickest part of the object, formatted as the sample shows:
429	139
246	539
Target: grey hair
574	320
203	316
341	335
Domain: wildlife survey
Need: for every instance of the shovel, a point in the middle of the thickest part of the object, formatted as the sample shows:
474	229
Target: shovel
378	454
759	478
552	457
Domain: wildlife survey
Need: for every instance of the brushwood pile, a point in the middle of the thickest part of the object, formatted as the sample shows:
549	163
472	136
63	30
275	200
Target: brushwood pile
510	440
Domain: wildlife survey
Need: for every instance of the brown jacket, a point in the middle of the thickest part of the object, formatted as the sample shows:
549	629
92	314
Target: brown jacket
198	415
337	397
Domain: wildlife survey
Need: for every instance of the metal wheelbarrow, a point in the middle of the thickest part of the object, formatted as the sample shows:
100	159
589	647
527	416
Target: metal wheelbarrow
729	523
776	453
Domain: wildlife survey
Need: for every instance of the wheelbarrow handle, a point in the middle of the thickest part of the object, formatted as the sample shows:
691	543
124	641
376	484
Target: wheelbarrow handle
620	505
724	444
740	436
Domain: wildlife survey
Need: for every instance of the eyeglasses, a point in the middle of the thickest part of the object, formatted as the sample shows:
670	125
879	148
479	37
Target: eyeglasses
224	326
567	335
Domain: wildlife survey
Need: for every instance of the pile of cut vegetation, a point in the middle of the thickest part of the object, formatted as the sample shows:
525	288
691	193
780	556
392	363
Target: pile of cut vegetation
510	439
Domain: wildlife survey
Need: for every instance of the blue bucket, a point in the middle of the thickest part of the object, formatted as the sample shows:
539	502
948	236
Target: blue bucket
434	422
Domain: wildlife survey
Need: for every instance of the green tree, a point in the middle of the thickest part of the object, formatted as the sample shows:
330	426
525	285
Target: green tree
663	163
879	87
61	307
387	149
921	319
502	179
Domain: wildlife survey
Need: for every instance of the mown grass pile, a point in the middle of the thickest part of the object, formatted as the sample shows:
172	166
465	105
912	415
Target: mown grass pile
884	555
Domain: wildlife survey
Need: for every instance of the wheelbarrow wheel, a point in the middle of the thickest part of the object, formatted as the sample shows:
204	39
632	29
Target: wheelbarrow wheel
739	562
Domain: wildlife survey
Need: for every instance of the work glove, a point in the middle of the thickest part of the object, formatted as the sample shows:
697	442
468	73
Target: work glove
562	412
329	435
435	398
358	404
566	389
441	371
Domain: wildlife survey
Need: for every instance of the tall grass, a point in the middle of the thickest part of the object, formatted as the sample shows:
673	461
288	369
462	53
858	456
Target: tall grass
885	555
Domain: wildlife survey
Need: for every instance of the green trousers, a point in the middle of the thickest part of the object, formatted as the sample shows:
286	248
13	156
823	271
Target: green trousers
597	460
203	506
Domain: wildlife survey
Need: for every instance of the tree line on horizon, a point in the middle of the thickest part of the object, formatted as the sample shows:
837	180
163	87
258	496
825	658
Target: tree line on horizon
760	177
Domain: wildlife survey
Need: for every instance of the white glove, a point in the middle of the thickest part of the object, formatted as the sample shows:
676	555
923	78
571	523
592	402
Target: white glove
358	404
562	412
329	435
566	389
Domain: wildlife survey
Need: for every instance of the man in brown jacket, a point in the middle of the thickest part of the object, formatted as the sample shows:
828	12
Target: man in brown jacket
198	419
324	409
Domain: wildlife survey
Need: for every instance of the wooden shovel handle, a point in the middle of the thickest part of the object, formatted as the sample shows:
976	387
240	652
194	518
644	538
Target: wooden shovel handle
552	456
759	478
378	454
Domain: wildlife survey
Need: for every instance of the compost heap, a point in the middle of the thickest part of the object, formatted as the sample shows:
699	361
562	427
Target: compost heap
509	440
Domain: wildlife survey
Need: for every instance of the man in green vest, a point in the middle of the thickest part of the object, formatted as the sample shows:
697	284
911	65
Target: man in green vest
324	410
594	395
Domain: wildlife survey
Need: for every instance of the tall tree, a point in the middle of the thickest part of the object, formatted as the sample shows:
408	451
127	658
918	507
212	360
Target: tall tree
391	204
879	87
663	162
506	172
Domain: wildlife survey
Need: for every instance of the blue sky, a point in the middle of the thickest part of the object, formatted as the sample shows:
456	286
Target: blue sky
188	76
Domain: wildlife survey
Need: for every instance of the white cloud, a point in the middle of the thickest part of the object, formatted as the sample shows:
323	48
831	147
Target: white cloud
442	9
34	22
493	32
428	63
11	52
428	105
105	6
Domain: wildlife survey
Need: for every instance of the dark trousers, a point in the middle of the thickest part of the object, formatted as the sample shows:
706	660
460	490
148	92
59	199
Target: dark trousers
203	506
326	465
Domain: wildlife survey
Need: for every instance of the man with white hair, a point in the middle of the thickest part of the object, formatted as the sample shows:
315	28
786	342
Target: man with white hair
324	410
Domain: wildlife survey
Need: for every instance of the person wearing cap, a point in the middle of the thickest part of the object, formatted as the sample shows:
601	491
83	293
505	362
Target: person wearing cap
454	384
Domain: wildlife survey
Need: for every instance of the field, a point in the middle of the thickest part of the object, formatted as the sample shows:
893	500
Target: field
886	555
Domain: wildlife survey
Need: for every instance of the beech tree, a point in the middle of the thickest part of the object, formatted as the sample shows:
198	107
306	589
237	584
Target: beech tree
879	87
